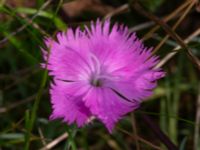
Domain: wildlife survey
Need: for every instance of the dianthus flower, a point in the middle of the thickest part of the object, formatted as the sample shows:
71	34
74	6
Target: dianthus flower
100	72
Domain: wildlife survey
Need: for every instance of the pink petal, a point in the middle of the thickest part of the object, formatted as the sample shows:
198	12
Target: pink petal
66	99
68	57
107	106
137	87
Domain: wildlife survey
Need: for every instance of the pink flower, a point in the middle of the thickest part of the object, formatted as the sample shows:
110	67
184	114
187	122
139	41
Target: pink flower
101	72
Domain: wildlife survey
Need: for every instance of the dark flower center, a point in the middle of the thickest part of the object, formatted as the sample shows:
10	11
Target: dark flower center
96	82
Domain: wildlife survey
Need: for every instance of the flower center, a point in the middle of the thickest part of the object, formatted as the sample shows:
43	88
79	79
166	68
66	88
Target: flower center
96	82
98	75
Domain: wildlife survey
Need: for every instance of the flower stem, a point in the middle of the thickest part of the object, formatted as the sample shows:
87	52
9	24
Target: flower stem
70	141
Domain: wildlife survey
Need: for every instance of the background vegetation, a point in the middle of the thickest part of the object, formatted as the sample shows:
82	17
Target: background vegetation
167	120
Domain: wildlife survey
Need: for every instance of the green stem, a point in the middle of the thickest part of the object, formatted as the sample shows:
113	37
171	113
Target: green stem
71	144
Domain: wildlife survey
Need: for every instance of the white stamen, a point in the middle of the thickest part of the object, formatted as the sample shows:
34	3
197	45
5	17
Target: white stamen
105	77
96	64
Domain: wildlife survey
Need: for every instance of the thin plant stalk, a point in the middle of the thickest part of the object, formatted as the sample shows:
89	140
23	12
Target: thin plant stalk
166	19
197	123
174	27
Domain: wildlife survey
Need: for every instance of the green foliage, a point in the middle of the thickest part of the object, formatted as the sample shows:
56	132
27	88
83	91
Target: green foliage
152	5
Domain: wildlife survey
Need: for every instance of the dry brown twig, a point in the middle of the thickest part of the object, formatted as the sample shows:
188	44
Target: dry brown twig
176	49
125	8
148	24
55	142
119	10
174	26
140	139
173	15
35	25
168	30
141	26
166	19
42	136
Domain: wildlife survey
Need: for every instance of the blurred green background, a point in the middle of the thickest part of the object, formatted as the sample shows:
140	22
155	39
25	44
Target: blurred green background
24	98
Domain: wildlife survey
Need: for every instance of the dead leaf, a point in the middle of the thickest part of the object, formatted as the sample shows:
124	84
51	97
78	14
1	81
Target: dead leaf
75	8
